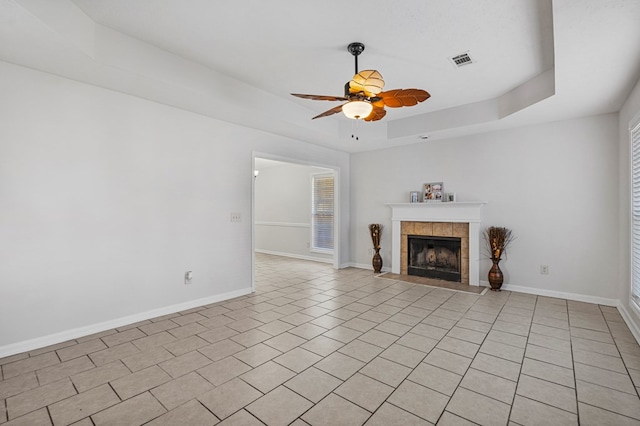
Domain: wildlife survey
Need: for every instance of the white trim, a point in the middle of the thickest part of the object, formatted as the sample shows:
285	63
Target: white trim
634	121
634	307
558	294
328	252
628	319
634	124
253	222
52	339
538	292
294	256
337	215
368	267
337	212
284	224
548	293
460	211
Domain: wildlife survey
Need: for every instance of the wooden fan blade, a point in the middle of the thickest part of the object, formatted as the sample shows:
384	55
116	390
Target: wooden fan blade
376	114
403	97
320	97
369	82
327	113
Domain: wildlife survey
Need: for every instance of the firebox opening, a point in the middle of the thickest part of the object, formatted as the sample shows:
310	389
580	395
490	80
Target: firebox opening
434	257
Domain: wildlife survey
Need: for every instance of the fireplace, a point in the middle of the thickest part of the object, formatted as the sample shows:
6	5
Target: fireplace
435	257
449	220
444	234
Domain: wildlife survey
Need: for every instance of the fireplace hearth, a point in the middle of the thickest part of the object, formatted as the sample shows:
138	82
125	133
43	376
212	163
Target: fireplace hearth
434	257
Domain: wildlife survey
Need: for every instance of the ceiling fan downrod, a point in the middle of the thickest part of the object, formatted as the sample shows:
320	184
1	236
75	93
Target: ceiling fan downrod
356	48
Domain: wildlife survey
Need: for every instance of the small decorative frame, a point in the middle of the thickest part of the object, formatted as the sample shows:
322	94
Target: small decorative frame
414	197
433	192
450	197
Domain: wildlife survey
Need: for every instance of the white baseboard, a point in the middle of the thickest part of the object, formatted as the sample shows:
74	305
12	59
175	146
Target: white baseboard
295	256
629	320
557	294
52	339
529	290
368	266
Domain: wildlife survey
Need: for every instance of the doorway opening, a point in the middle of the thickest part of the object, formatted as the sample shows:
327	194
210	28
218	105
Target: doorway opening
295	210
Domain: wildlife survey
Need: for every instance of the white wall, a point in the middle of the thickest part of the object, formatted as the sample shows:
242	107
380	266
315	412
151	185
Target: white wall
554	184
107	199
283	211
629	112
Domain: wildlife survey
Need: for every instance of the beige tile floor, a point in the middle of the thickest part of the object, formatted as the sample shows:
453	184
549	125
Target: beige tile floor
323	347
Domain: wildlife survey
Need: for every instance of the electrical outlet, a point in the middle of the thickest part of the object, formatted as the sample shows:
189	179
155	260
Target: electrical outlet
188	276
544	269
236	217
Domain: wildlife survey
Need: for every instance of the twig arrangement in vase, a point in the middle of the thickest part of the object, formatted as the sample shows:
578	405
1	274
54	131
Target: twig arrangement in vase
497	241
375	229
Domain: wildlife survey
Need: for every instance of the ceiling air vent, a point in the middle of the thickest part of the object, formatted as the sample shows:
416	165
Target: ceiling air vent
461	60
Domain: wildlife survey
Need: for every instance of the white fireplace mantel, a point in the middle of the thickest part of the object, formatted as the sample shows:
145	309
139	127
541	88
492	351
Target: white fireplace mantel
463	211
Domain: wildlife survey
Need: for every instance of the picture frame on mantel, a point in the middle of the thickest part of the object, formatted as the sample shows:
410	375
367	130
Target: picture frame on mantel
433	192
414	196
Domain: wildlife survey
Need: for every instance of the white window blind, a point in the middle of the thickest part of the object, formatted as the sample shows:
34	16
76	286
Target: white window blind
635	213
322	212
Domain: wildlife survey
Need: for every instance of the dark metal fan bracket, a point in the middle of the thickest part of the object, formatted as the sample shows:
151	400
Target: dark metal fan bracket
356	48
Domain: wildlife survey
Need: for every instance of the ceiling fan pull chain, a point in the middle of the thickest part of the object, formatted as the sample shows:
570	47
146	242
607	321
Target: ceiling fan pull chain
354	130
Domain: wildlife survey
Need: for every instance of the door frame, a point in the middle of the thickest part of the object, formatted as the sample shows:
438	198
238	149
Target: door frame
336	205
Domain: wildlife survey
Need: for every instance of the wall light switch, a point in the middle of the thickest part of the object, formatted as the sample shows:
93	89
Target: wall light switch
236	217
188	276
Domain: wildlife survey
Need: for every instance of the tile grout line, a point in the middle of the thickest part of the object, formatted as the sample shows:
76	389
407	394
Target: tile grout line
524	355
386	400
313	365
573	362
619	353
367	363
463	375
359	284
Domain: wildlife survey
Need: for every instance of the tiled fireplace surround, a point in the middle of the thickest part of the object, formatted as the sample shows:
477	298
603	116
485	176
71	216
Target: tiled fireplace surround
436	229
457	219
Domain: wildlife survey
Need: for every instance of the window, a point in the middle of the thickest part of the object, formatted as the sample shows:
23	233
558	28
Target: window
635	212
322	213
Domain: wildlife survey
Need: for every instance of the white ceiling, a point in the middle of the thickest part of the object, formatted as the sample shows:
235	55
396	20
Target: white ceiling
239	61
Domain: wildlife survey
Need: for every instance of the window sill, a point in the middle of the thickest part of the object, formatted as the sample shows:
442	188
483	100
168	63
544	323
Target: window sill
321	251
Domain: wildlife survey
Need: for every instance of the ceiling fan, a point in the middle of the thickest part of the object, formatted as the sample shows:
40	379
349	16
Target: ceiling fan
364	95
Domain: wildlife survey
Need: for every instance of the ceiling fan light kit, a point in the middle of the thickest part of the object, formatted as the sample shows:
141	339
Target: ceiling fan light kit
364	95
357	109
